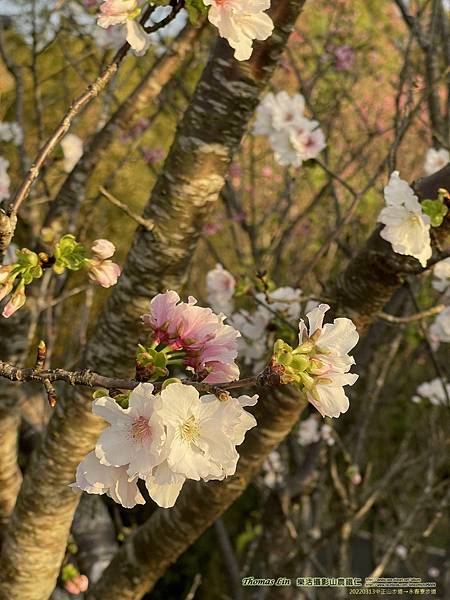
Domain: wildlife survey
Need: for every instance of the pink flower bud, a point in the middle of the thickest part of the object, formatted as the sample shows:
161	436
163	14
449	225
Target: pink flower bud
77	584
104	272
103	249
356	479
16	301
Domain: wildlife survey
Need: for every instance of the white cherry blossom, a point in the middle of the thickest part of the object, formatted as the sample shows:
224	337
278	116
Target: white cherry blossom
10	131
436	391
196	440
95	478
440	329
333	342
274	470
294	138
241	22
220	285
125	13
136	437
311	431
435	160
72	147
441	274
407	227
4	179
308	431
283	300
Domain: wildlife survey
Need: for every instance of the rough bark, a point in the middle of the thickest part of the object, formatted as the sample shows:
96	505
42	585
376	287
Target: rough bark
13	348
65	206
192	177
376	272
158	543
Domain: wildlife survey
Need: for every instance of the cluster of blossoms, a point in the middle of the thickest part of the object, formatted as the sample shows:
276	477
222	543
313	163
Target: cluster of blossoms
274	470
175	434
164	439
11	132
67	254
293	137
72	147
258	328
436	391
320	364
125	13
240	22
4	179
310	431
435	160
197	338
407	221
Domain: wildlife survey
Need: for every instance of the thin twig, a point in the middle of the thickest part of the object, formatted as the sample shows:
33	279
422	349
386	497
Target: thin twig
146	223
429	312
88	378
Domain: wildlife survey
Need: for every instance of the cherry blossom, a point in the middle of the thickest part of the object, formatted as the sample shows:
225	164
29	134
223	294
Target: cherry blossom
274	470
440	329
293	137
210	346
136	436
77	584
94	478
435	160
4	179
72	147
201	435
220	285
330	361
441	274
406	226
241	22
253	343
11	132
102	270
308	431
125	13
436	391
345	57
283	300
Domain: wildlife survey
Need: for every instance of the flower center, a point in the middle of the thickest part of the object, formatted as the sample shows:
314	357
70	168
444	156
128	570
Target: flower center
189	430
140	429
414	219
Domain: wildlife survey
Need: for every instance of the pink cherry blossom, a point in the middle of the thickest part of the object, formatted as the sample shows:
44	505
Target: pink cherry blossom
209	344
77	584
104	272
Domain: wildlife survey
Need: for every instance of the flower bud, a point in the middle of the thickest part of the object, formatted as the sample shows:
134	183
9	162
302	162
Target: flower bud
103	249
16	301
